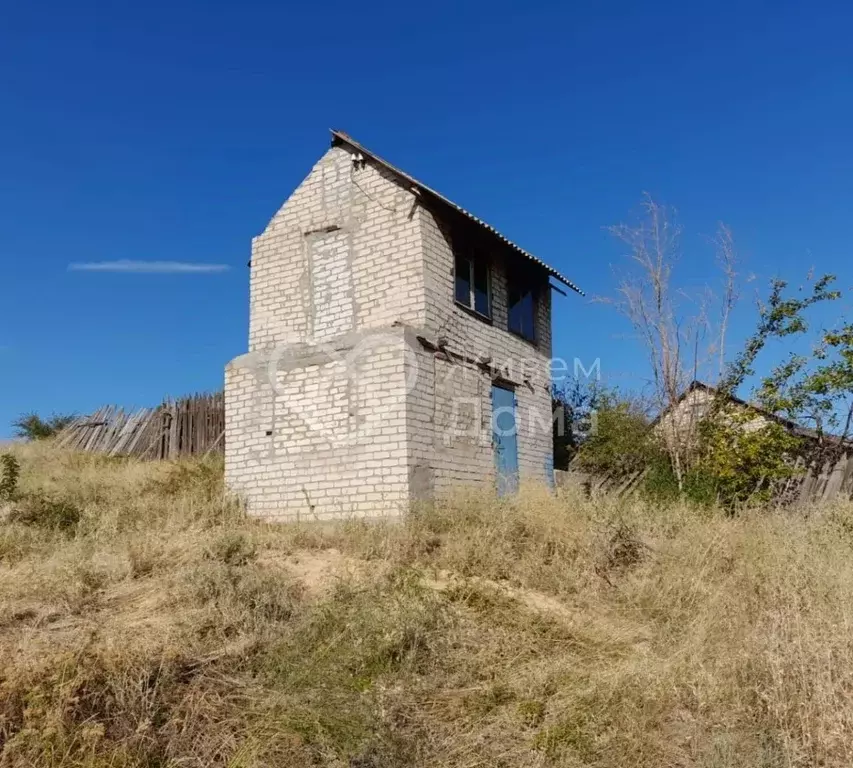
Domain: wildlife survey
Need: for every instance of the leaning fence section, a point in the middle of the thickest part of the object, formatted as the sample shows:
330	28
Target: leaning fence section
188	426
828	481
819	482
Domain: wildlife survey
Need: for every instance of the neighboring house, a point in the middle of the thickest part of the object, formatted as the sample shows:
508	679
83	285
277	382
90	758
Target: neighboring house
833	475
679	423
696	403
398	346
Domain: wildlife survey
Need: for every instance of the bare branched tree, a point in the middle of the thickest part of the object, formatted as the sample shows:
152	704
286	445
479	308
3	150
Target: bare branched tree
727	259
674	327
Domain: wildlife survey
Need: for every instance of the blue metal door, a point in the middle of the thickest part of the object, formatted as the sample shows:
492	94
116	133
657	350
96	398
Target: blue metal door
505	439
549	471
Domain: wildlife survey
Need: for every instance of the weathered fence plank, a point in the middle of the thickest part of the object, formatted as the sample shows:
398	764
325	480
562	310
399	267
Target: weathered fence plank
189	426
826	482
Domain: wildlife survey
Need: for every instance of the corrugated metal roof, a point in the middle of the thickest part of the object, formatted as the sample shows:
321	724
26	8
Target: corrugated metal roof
339	137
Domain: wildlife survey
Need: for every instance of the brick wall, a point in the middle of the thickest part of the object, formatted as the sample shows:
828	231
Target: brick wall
524	365
324	442
337	409
335	277
343	253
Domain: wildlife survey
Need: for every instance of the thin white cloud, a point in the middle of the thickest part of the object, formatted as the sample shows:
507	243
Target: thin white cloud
148	267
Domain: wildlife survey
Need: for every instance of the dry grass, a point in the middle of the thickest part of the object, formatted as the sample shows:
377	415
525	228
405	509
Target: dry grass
147	623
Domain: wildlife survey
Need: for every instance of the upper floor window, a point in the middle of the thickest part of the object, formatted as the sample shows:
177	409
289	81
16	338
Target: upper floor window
473	286
521	308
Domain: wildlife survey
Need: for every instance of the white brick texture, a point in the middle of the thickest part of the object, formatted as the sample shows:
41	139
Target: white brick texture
344	406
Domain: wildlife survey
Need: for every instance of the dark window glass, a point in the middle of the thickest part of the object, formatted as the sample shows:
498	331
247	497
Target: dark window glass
472	284
522	311
463	281
481	289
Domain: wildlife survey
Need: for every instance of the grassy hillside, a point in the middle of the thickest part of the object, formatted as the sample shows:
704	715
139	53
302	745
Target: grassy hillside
145	622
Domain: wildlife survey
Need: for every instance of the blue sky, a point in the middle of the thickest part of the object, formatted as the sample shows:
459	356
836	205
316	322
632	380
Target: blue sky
170	132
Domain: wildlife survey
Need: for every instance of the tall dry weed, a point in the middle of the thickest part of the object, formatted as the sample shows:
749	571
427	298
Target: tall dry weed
164	628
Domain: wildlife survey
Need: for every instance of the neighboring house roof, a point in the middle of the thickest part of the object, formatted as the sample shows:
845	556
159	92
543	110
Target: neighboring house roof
792	426
339	137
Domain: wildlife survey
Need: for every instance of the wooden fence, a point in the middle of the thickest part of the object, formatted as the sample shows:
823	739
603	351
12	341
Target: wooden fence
827	482
831	480
187	427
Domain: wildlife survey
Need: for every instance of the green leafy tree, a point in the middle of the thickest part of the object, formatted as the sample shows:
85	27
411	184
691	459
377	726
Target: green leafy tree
739	459
816	390
684	335
780	317
574	404
622	440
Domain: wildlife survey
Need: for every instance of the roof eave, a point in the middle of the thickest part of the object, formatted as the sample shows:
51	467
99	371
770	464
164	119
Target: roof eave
339	137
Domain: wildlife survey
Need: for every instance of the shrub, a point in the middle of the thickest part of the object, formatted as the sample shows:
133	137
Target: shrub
11	470
31	426
232	548
660	485
733	462
622	441
44	511
573	405
739	464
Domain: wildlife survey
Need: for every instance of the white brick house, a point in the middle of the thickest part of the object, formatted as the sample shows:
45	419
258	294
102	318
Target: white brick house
398	346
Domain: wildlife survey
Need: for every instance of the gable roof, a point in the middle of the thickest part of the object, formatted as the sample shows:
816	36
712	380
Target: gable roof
792	426
339	138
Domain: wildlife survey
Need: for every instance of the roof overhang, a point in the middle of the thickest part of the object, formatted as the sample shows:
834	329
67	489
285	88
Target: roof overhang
341	138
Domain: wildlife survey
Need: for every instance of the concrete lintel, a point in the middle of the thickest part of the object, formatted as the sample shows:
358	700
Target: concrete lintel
288	357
